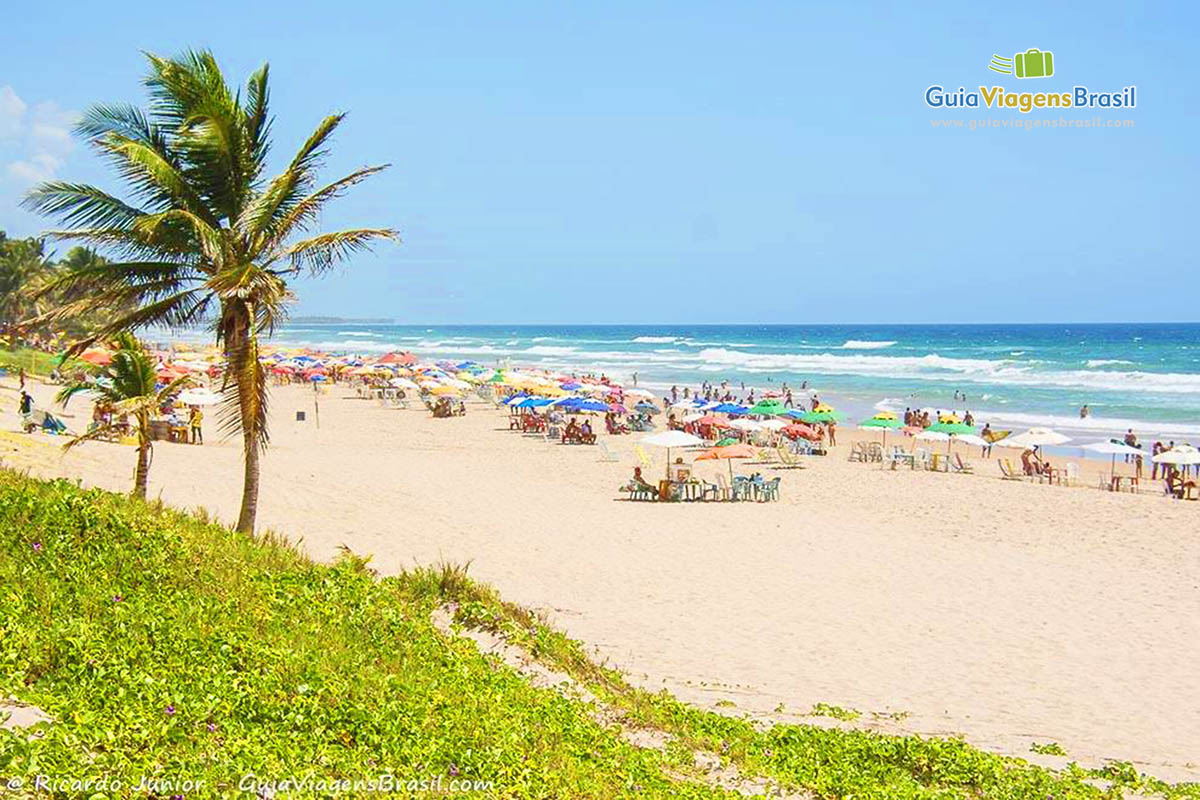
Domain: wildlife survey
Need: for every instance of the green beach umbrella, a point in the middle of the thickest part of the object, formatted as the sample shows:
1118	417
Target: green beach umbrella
768	408
497	378
728	440
821	414
885	421
953	428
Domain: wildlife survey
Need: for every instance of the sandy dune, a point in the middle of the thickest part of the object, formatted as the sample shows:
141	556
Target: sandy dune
1008	612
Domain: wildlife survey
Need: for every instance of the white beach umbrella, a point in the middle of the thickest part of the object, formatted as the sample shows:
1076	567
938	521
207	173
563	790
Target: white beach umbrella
773	424
402	383
972	439
1034	437
1113	449
692	417
933	436
746	425
669	439
199	397
639	393
1180	455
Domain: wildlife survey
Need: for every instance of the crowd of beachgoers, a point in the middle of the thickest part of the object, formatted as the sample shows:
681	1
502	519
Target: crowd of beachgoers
776	428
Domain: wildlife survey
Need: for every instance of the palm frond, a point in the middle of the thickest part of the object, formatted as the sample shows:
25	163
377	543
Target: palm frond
272	226
80	204
323	252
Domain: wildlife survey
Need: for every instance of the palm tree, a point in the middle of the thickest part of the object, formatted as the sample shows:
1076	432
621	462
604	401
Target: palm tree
202	235
127	388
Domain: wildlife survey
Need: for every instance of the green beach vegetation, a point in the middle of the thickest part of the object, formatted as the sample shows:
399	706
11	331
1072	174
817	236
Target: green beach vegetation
161	645
200	234
127	387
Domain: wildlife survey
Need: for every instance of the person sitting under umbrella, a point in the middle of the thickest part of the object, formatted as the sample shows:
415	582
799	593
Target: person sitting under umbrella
1177	487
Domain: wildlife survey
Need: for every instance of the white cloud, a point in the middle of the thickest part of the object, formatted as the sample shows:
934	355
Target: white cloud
12	110
34	143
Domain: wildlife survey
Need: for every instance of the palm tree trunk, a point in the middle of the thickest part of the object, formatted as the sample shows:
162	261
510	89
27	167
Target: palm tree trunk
141	475
241	347
249	511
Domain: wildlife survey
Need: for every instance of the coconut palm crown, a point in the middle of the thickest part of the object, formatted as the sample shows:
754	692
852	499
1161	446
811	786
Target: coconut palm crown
200	233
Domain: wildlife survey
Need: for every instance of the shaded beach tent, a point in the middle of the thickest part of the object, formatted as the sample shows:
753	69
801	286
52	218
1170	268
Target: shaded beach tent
199	397
728	453
669	439
1114	449
1034	437
767	408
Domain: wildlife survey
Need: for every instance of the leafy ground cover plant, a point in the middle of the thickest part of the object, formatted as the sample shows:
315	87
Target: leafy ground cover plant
162	645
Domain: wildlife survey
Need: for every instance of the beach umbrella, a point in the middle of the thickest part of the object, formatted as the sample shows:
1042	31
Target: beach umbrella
199	397
773	424
638	393
694	416
617	408
97	356
1113	449
1181	455
767	408
728	453
885	421
585	404
709	419
644	407
728	440
951	427
821	414
669	439
799	431
1034	437
746	425
402	383
730	408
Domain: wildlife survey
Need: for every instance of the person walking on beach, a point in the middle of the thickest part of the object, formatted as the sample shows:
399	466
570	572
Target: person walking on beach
635	380
787	402
1131	440
195	417
21	378
1154	451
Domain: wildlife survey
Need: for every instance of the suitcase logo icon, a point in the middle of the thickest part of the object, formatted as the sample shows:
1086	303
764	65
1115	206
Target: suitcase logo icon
1033	63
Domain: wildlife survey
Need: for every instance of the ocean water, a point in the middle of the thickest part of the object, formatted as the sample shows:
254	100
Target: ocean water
1144	376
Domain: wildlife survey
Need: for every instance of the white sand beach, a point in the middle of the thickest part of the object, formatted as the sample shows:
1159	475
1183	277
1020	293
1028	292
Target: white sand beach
1007	612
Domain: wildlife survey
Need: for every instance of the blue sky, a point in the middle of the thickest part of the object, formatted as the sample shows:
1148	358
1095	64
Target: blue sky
683	162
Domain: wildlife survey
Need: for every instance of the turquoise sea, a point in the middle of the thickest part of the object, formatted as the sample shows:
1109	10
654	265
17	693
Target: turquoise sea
1144	376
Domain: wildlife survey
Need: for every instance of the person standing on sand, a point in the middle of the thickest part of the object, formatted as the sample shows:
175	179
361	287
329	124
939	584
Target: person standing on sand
986	435
21	378
195	417
1131	440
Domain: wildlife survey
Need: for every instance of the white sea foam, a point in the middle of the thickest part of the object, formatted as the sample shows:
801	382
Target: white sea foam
548	350
1085	429
656	339
857	344
358	333
1105	362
